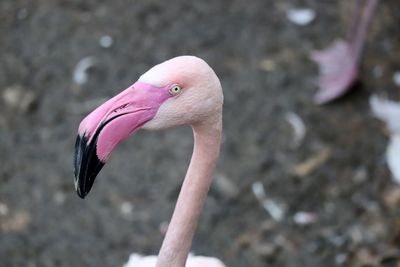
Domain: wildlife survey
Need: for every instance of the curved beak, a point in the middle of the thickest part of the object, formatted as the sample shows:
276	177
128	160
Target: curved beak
108	125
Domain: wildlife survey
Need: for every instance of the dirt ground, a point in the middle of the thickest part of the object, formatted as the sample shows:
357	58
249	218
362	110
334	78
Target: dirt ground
348	199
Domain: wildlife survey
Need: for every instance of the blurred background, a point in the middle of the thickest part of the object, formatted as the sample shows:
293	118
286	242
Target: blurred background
280	197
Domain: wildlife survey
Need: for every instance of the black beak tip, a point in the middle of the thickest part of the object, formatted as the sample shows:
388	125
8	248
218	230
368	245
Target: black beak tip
86	165
81	194
80	145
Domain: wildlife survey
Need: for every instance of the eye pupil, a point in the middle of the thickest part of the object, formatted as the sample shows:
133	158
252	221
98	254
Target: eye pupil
175	90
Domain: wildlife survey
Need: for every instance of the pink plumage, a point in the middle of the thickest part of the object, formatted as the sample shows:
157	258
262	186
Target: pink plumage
338	63
182	90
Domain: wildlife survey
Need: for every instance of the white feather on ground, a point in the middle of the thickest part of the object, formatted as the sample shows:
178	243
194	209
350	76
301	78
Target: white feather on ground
389	112
393	156
80	72
299	128
276	209
137	260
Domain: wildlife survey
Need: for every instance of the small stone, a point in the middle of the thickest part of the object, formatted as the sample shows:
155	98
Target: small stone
396	78
59	198
360	175
258	190
17	97
226	187
392	197
126	208
340	258
267	251
377	71
267	65
16	223
376	230
356	234
268	226
364	257
275	208
247	239
106	41
301	16
305	218
3	209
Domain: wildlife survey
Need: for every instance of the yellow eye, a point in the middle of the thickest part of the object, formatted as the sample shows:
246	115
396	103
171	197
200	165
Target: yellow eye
175	90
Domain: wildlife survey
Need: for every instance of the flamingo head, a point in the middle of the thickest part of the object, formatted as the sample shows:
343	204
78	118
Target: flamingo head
182	90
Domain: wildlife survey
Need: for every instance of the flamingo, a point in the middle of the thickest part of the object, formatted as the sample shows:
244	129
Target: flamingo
338	63
179	91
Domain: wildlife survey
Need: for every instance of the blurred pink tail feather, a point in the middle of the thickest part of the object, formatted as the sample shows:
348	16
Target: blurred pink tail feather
338	63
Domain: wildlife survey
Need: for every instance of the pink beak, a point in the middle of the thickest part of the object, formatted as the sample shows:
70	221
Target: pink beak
108	125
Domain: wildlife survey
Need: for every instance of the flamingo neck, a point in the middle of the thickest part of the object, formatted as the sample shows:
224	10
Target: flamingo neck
178	240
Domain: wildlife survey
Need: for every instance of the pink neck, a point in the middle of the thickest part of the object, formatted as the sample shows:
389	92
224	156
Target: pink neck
178	240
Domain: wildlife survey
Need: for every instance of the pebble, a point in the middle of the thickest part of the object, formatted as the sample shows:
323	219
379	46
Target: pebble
267	65
360	175
106	41
276	209
267	250
392	197
3	209
396	78
258	190
340	258
59	198
18	98
226	187
364	257
16	223
305	218
126	208
301	16
377	71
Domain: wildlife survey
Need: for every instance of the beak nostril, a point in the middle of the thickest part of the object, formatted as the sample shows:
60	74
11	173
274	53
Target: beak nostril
120	107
